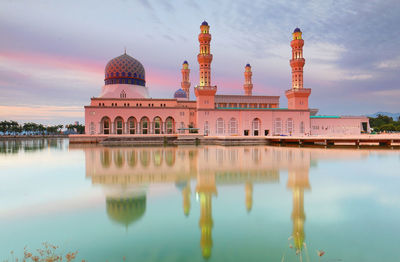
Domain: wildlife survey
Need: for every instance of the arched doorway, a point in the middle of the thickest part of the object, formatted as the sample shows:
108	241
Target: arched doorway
157	125
105	125
289	124
170	125
119	125
277	126
132	126
220	126
256	127
144	125
233	126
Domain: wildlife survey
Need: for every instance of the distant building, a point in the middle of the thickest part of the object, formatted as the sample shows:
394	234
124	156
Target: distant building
124	105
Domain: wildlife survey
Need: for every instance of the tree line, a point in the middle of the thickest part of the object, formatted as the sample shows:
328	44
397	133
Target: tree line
14	128
382	123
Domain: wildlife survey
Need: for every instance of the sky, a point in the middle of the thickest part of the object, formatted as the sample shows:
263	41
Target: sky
53	53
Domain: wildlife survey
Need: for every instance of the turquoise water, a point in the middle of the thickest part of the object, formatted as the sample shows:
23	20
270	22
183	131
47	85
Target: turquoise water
253	203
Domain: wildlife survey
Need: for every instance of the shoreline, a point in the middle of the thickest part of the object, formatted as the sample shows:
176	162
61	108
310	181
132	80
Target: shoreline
2	138
195	139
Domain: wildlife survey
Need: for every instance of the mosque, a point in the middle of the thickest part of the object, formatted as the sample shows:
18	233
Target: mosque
124	106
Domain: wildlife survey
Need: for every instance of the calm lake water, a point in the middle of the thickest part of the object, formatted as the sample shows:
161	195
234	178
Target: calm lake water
252	203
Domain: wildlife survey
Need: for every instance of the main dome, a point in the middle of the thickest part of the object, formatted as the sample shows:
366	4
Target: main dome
124	69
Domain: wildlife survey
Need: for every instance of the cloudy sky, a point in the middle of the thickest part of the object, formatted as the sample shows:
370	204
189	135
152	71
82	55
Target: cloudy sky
53	53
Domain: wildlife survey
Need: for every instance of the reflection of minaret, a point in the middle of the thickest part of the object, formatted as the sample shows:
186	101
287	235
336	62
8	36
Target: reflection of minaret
249	196
298	182
184	186
206	188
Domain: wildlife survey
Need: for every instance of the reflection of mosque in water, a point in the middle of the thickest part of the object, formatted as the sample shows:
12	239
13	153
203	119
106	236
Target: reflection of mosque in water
125	174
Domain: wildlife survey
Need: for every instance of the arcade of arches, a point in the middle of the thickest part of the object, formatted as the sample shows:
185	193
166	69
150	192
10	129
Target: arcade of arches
132	126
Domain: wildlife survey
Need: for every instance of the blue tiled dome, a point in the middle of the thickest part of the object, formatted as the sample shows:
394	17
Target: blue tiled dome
185	62
297	30
180	94
124	69
204	23
248	65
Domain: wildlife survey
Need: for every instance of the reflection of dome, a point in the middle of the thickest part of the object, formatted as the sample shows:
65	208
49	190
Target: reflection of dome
180	94
124	69
126	211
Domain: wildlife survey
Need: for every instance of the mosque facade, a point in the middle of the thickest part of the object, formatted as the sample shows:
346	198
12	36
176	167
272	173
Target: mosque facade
124	106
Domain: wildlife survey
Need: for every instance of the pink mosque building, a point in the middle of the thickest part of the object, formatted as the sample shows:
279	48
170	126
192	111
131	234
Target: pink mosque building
125	108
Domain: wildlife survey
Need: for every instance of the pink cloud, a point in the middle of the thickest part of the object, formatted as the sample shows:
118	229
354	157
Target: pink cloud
54	61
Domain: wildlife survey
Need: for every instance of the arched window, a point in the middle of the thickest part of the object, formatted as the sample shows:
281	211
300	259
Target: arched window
157	125
278	126
119	125
122	94
256	126
206	128
134	75
92	129
302	128
105	125
289	125
233	126
129	74
123	73
131	126
220	126
144	125
170	125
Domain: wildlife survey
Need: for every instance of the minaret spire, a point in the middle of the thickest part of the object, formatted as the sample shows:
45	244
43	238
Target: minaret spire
248	84
185	84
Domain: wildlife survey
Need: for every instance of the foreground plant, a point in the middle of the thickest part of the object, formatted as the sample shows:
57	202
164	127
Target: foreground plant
48	253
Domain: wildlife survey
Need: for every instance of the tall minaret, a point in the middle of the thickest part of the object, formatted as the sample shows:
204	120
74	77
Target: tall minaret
185	84
204	91
205	57
248	85
297	96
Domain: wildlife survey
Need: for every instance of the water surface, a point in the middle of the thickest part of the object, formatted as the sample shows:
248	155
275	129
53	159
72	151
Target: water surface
250	203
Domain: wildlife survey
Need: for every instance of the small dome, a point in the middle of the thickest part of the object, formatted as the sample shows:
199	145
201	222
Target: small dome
297	30
185	63
180	94
248	65
124	69
204	23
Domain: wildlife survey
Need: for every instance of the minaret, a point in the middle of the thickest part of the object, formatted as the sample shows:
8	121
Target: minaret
204	91
298	182
185	84
248	85
297	96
